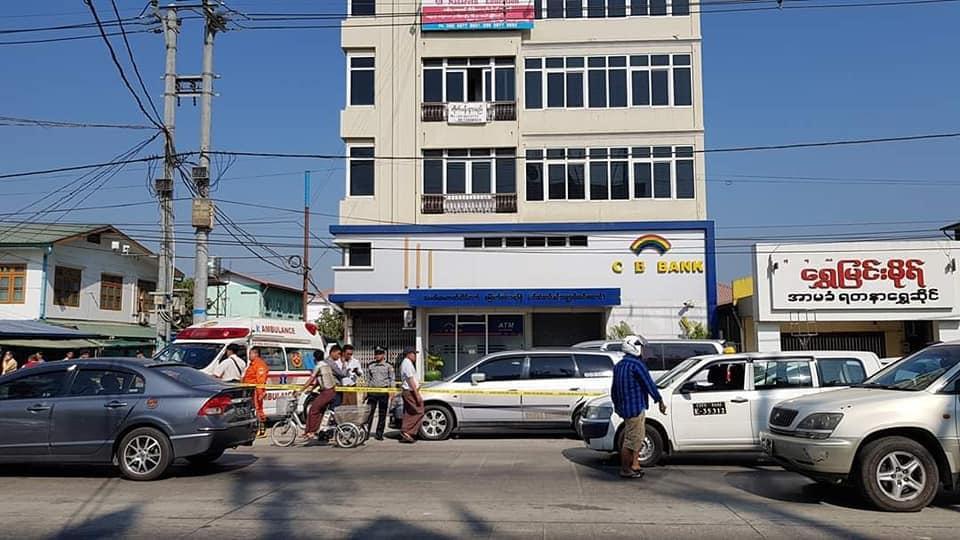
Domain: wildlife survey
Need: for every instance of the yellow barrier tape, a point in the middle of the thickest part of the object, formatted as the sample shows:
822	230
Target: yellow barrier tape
448	391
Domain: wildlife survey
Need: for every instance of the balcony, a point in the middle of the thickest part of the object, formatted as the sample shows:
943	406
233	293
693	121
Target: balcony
469	112
469	203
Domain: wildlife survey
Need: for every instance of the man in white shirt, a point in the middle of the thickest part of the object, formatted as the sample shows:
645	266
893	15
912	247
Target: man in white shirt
231	367
412	400
352	373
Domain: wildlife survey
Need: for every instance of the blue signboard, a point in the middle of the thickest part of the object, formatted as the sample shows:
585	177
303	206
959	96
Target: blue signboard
514	297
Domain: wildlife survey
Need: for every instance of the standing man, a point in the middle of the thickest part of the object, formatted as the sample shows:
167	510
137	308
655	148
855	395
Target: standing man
256	373
231	368
352	371
379	375
335	363
412	400
631	387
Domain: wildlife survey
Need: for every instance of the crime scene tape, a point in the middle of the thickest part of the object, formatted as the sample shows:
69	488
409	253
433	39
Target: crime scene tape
448	391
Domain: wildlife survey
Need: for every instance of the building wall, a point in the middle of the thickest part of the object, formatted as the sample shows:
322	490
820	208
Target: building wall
282	304
33	259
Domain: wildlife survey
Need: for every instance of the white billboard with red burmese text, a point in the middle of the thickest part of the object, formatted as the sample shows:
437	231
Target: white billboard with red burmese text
477	14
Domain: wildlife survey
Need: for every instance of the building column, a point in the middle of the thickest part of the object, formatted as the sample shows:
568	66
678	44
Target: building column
948	330
768	337
421	342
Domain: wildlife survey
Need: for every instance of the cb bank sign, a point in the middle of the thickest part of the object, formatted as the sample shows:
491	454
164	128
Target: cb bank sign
661	246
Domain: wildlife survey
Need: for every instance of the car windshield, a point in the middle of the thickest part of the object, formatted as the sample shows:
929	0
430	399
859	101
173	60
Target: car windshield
667	378
186	375
197	355
918	371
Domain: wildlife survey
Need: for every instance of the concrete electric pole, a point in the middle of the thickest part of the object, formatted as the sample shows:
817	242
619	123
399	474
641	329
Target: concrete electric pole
163	298
306	244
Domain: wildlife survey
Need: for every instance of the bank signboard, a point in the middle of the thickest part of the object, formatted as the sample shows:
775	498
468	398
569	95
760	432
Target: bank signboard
477	14
884	279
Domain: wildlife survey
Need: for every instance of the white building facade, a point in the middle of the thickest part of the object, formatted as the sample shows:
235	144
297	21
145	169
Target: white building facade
522	173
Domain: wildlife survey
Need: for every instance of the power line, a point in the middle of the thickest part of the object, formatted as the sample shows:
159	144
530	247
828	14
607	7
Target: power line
71	38
133	61
32	122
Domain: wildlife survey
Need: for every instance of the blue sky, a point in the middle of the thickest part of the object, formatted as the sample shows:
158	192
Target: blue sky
770	77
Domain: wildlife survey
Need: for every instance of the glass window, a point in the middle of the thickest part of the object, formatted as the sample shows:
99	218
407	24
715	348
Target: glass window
12	278
506	84
642	181
455	86
595	8
919	370
480	177
595	365
196	355
358	255
597	80
533	89
39	386
558	182
299	359
619	182
574	9
555	89
660	83
274	357
456	177
681	7
514	241
361	171
556	241
575	89
618	87
534	181
363	7
658	7
599	182
840	371
640	81
362	80
111	292
772	374
433	85
536	241
473	242
66	286
552	367
721	377
145	300
616	8
685	189
507	174
675	353
578	241
575	181
682	86
555	9
100	382
661	180
492	242
638	7
433	176
508	368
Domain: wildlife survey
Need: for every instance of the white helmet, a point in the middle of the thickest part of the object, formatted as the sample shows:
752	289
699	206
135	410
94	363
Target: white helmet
634	345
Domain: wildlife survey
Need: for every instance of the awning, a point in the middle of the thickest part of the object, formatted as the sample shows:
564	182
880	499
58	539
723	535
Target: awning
41	343
108	329
586	297
17	329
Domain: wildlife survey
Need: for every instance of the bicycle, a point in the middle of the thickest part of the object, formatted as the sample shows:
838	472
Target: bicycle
340	425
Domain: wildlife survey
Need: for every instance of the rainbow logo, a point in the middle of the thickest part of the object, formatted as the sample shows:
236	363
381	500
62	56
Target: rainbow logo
652	241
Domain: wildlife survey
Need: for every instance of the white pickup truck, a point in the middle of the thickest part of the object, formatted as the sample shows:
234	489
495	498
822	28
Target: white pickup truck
720	403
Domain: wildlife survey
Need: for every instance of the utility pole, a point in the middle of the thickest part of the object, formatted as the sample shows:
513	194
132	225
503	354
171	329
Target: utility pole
306	244
203	210
164	186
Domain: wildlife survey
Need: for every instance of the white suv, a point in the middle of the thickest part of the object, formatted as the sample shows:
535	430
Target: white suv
460	402
720	403
661	355
896	436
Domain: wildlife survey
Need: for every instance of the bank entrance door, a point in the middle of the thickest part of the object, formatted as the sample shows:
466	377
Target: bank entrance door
459	340
566	329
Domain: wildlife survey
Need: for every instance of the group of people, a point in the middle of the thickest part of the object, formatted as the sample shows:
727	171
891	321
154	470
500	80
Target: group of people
254	370
10	363
340	368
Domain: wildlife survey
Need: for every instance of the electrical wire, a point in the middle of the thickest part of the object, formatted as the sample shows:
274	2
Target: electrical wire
32	122
133	61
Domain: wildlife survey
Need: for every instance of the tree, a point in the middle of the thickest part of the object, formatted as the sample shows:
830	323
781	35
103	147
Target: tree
693	330
619	331
330	324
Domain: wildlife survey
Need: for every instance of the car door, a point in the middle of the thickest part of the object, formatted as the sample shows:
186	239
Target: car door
92	411
550	372
776	380
26	404
710	410
501	373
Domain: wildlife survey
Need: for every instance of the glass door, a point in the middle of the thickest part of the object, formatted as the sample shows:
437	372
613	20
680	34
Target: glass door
471	339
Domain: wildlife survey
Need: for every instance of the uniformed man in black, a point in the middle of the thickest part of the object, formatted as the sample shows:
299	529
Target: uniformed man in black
379	375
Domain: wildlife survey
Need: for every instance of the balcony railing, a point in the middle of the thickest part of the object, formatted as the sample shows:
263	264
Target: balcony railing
497	111
469	203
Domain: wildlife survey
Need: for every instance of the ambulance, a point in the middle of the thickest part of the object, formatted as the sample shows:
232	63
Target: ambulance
286	345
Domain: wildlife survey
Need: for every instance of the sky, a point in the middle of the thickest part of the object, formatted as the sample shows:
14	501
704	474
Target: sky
770	77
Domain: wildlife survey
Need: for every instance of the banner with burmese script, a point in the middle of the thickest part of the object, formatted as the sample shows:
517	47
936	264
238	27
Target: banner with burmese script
477	14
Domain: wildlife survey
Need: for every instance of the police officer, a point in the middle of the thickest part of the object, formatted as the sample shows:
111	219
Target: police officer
379	375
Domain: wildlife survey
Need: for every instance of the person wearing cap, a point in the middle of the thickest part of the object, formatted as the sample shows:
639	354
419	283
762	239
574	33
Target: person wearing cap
632	384
412	400
379	375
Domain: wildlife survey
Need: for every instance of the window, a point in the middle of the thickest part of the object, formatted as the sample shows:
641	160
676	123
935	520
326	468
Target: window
518	242
673	354
600	82
360	173
12	283
457	80
300	359
363	8
595	365
362	79
773	374
919	370
145	300
66	286
509	368
111	292
840	371
195	355
358	255
469	171
473	242
99	382
574	9
610	173
721	377
274	358
552	367
39	386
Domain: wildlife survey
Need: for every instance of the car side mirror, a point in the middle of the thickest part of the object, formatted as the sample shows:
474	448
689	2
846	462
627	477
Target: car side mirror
477	378
694	386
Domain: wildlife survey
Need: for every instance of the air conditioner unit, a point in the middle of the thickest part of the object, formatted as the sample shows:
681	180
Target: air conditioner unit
115	245
125	249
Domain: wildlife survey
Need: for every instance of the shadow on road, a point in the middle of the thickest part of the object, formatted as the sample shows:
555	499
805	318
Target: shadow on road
119	524
180	469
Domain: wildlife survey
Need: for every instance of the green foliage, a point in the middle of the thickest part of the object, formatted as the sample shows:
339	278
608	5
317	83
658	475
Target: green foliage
619	331
693	330
330	324
434	371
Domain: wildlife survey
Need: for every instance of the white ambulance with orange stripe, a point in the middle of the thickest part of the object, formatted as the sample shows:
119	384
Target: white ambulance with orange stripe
286	345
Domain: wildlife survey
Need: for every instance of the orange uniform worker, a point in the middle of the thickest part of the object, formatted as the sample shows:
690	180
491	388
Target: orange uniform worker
256	373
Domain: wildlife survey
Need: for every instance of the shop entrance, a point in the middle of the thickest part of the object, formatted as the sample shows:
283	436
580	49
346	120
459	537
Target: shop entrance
459	340
566	329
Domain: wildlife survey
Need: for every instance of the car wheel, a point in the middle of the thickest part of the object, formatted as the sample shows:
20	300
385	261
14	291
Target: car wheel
206	458
576	423
437	423
144	454
652	449
898	474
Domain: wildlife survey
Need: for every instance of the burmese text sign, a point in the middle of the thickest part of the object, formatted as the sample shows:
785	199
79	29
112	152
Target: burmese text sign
477	14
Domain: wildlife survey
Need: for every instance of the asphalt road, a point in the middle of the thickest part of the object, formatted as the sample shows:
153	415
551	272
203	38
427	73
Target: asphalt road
470	487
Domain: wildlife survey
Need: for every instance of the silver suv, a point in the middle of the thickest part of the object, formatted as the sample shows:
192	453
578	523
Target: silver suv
896	436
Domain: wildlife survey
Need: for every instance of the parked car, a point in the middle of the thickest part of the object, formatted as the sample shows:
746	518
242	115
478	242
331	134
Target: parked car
564	369
661	355
896	436
138	414
720	403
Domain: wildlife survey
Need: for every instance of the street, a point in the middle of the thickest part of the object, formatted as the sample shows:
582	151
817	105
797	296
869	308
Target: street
540	487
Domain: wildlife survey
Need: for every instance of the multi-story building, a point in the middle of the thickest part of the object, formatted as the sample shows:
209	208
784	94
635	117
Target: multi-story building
521	173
